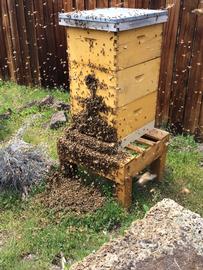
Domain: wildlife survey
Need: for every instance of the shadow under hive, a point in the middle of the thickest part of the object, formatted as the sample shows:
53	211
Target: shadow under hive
114	61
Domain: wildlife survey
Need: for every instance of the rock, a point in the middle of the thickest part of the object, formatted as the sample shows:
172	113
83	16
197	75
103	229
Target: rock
169	237
62	106
29	257
200	147
6	115
55	267
185	191
47	101
58	119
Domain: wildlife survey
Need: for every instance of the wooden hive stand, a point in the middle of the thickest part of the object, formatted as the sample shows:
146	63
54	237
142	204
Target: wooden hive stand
148	150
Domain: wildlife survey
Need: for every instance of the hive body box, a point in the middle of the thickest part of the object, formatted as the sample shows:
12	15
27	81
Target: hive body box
120	48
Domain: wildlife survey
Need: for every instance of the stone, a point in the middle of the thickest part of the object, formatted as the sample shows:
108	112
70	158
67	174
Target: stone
47	101
58	119
62	106
169	237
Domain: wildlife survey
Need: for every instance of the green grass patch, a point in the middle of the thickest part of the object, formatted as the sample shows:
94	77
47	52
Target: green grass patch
27	227
15	97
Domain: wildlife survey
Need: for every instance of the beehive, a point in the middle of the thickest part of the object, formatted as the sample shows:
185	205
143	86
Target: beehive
119	50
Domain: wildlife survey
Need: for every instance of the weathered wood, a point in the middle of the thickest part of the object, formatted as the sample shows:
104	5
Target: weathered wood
80	4
144	80
91	4
167	63
47	62
102	3
32	42
4	68
135	115
195	84
157	4
124	192
158	166
139	45
19	73
23	44
183	63
8	40
135	148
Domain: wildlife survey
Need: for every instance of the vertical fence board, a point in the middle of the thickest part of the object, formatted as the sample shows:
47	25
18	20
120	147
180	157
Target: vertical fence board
68	5
102	3
8	40
41	41
80	4
200	124
91	4
19	74
182	58
32	41
33	51
195	83
167	62
157	4
4	71
23	43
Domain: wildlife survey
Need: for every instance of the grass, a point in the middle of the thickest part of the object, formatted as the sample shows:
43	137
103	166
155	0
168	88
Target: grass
27	227
15	97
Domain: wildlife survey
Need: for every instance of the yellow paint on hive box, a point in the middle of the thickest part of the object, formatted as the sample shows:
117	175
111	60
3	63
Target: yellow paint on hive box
126	65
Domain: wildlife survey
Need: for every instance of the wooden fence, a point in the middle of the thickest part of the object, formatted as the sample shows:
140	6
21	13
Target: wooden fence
33	51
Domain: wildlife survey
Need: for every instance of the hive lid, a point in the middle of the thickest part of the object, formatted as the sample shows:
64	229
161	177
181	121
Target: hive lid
113	19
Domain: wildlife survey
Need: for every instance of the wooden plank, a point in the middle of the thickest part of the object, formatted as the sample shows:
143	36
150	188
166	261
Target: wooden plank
142	161
92	47
68	5
195	85
19	72
139	45
61	65
32	42
41	40
138	4
200	124
170	30
135	148
23	43
157	166
131	3
91	4
80	4
144	80
157	134
106	85
135	115
3	53
124	192
102	3
8	40
145	3
52	76
145	141
183	63
157	4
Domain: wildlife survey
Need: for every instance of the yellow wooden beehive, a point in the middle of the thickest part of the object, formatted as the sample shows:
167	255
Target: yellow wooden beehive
120	48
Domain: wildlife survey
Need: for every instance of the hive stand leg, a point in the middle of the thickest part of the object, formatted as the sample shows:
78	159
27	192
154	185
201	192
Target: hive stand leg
124	192
158	166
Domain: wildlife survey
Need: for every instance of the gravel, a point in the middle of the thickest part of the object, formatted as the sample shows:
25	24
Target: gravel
169	237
